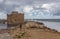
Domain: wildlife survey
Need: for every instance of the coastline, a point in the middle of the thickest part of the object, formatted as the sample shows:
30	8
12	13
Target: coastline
30	27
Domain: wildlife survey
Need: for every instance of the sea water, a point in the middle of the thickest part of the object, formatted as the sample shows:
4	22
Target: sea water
50	24
3	26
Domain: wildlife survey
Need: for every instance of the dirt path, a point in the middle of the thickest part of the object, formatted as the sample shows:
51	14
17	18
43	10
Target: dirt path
41	34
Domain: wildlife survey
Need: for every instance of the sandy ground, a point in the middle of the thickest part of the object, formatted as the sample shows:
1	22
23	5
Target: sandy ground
30	30
41	34
5	36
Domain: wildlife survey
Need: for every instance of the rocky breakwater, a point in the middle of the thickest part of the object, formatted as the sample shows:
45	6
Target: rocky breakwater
33	30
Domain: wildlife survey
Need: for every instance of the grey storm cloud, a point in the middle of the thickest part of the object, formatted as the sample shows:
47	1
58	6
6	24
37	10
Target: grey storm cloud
44	6
6	4
13	3
33	1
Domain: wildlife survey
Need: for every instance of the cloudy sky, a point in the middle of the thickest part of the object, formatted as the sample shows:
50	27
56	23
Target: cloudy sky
33	9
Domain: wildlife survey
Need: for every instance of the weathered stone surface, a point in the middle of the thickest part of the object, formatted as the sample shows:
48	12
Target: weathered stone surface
15	18
34	30
5	36
34	24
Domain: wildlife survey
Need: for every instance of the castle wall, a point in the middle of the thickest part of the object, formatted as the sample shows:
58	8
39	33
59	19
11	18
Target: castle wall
15	19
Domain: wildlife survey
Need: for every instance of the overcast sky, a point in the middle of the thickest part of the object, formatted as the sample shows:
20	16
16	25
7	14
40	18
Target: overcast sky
33	9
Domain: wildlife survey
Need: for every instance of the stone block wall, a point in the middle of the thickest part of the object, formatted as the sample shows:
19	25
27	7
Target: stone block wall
15	19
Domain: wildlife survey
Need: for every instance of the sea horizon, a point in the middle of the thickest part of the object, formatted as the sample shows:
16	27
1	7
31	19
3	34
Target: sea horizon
49	20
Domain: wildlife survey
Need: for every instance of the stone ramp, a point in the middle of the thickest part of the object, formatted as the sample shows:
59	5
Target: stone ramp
34	30
41	34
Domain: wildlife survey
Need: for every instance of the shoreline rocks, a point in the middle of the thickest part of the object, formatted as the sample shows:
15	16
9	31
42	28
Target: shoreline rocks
30	27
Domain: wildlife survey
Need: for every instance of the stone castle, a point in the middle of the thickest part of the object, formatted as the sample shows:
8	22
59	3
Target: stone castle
18	28
29	29
15	19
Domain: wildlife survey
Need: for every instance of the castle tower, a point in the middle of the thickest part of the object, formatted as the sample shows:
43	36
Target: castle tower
15	19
